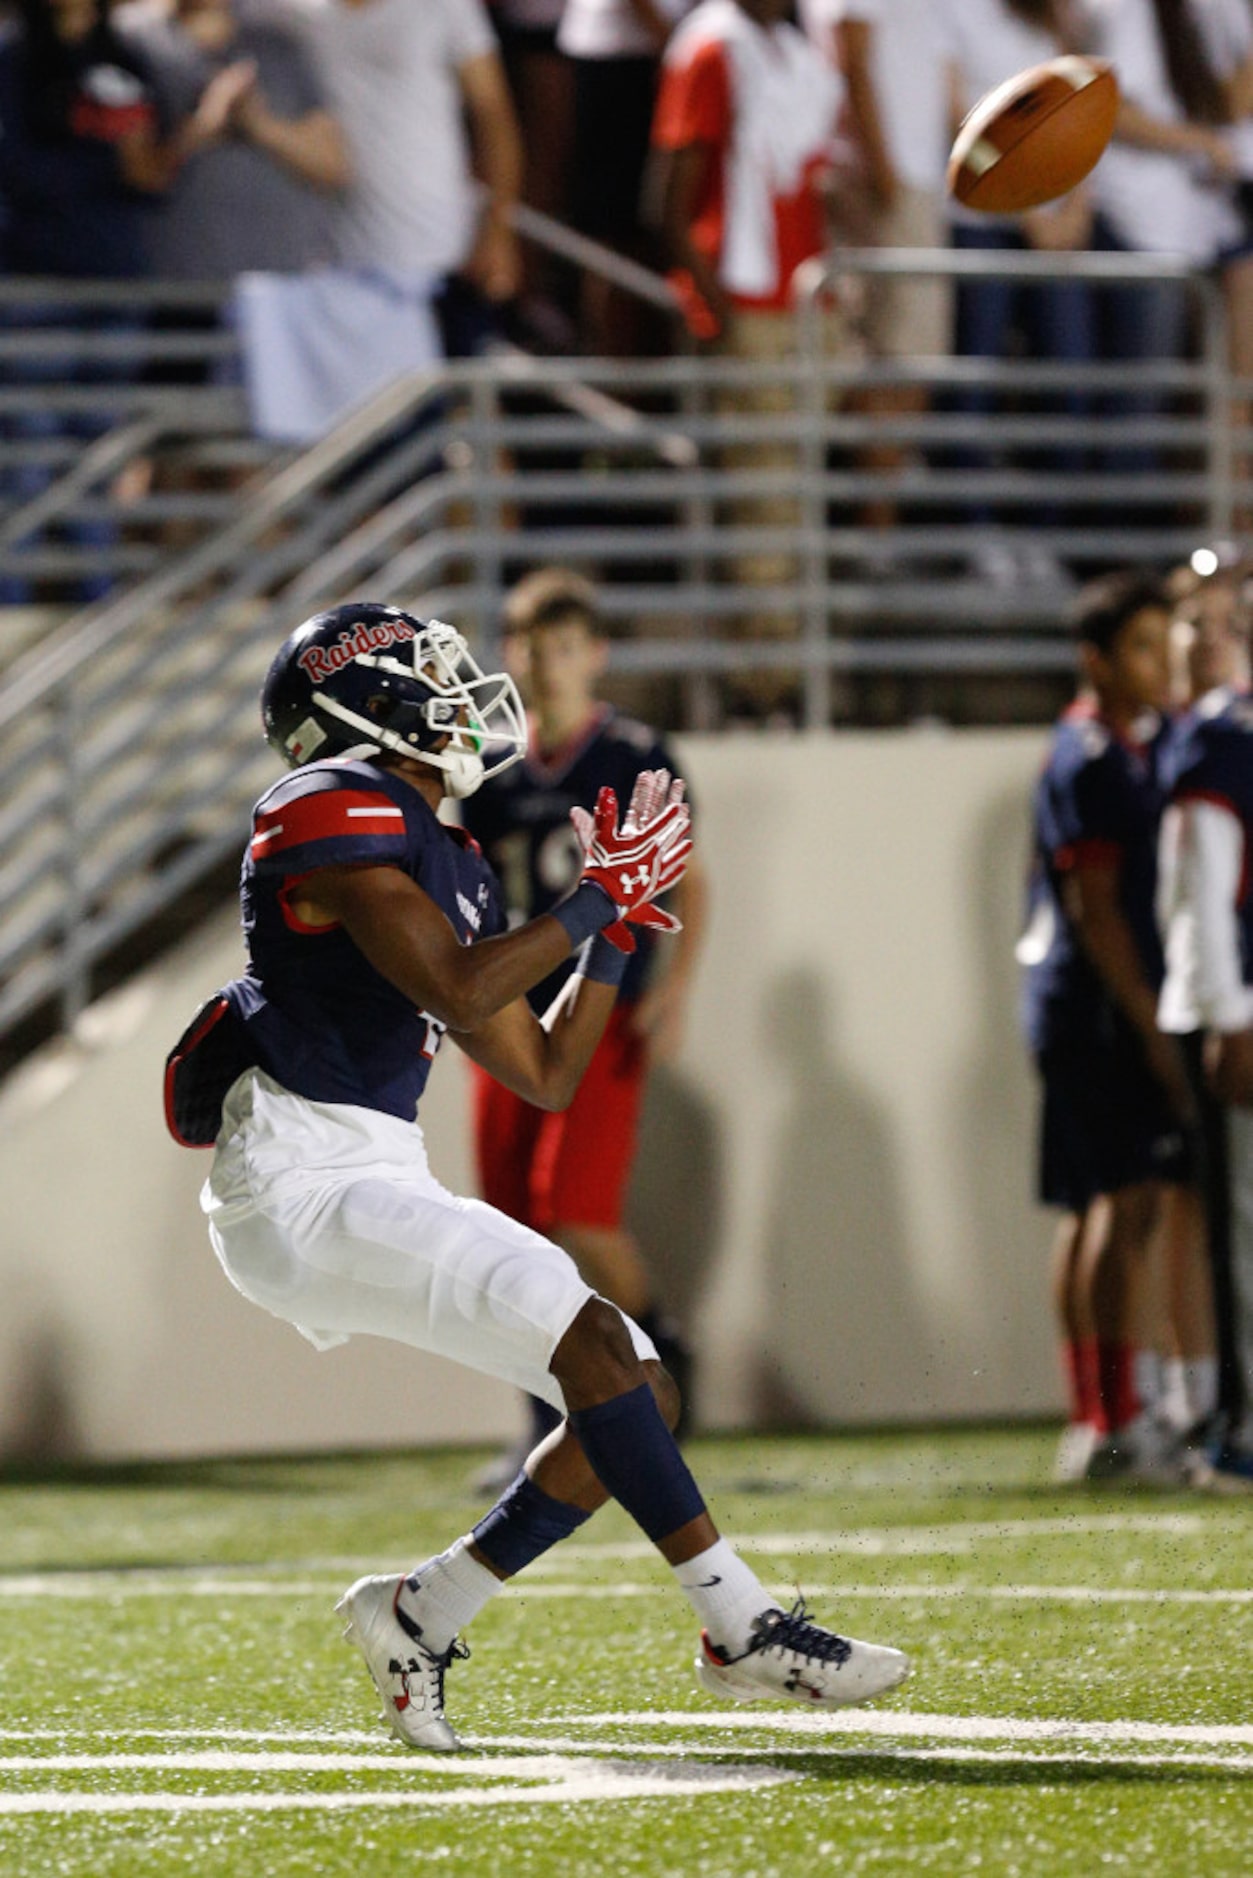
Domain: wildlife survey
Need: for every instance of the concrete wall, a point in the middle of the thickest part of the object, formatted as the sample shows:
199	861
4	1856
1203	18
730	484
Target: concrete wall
834	1189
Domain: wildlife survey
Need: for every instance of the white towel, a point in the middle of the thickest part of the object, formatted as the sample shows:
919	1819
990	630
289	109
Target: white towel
316	345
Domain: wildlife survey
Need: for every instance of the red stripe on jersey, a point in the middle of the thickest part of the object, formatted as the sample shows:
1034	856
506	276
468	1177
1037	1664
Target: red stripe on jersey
1093	853
329	814
1213	796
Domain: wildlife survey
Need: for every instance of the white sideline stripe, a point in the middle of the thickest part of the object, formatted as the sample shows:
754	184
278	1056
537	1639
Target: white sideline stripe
960	1536
235	1761
1032	1594
604	1781
895	1724
79	1585
1067	1594
827	1750
907	1724
549	1766
330	1737
552	1779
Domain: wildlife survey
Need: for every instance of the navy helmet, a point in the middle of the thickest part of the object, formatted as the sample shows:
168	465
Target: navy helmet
363	678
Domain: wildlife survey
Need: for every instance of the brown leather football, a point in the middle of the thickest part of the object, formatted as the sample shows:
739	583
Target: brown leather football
1035	137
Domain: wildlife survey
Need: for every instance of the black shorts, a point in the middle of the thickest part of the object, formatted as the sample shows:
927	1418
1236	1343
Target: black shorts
613	114
1105	1124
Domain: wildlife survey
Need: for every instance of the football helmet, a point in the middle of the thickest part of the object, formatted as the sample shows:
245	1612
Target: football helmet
362	678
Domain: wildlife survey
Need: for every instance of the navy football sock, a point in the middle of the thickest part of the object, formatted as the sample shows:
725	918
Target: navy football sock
634	1456
543	1418
524	1522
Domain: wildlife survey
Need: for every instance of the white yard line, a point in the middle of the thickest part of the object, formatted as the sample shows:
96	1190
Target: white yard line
906	1724
543	1766
959	1536
279	1579
1029	1594
584	1780
576	1772
329	1749
1090	1754
81	1585
1034	1594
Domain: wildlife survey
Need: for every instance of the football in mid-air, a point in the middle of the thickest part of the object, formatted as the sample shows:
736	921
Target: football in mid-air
1035	137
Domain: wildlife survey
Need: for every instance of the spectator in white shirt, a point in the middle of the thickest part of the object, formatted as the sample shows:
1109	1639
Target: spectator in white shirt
894	55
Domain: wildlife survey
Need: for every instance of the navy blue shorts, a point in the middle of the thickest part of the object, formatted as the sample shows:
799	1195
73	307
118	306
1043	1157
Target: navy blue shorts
1105	1124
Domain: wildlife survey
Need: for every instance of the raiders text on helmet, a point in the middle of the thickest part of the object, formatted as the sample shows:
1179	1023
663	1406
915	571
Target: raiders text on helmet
363	678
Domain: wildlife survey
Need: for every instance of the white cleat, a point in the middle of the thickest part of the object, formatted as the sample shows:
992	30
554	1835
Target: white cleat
408	1676
792	1659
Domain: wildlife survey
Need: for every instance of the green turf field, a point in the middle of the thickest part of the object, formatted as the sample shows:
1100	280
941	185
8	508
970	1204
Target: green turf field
177	1699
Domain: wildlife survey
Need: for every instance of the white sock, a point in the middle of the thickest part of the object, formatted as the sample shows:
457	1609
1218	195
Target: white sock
445	1593
725	1594
1200	1386
1147	1378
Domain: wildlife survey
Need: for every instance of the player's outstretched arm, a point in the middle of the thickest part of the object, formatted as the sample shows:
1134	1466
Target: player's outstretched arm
408	939
543	1060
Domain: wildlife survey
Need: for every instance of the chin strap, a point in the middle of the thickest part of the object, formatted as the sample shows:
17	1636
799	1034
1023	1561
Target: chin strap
463	771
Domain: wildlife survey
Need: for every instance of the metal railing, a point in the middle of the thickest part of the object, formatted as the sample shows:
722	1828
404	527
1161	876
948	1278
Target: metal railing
102	378
722	524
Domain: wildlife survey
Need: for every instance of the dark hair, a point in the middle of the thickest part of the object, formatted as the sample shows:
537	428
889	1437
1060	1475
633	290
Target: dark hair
1192	77
1103	607
549	597
1041	13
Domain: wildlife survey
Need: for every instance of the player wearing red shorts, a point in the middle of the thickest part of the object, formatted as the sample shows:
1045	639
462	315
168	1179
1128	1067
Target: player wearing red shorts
567	1174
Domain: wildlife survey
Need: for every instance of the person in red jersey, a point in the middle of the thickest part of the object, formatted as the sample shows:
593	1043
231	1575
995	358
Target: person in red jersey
568	1174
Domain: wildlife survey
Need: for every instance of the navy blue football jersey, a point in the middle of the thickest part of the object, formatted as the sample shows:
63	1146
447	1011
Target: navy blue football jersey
522	822
319	1018
1215	764
1098	801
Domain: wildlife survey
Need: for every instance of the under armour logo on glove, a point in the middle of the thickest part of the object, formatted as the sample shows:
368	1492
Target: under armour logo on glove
643	858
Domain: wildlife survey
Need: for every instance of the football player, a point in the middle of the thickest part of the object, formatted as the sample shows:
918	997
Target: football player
373	931
1115	1089
567	1174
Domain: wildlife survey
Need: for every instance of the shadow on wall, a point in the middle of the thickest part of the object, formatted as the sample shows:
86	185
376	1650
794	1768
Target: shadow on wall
1006	1237
834	1251
41	1425
673	1207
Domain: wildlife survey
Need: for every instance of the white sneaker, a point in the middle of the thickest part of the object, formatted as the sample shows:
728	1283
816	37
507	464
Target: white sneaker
791	1658
1074	1451
408	1676
1145	1452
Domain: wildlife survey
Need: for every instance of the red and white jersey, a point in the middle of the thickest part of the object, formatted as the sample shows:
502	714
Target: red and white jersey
765	103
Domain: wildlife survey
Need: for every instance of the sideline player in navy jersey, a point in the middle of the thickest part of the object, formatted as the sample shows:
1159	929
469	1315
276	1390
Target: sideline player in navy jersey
567	1174
1207	904
373	930
1115	1091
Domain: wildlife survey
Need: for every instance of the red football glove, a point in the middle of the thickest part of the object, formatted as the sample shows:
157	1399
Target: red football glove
646	856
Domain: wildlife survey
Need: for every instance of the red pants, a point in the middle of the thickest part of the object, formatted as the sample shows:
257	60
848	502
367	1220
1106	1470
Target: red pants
572	1168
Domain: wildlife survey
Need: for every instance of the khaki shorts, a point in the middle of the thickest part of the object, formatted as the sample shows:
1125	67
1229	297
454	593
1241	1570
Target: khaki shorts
910	315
